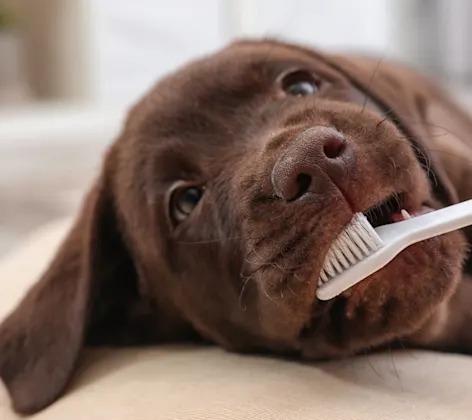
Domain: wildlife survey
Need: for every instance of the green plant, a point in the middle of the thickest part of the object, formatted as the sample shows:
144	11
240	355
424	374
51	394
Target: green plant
5	20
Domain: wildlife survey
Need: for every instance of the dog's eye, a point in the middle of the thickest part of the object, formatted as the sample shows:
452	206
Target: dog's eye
300	83
183	202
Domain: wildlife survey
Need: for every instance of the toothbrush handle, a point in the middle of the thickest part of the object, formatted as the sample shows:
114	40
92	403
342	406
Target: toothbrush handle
440	221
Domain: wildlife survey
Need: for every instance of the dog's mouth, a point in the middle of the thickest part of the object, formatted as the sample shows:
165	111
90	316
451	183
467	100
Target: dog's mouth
387	211
394	208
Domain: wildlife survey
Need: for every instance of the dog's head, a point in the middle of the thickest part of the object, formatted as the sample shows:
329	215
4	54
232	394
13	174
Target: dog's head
213	214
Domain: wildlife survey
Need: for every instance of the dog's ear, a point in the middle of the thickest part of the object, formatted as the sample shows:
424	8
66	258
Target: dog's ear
90	278
449	128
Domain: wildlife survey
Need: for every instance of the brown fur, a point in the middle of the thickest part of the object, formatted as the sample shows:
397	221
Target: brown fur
241	271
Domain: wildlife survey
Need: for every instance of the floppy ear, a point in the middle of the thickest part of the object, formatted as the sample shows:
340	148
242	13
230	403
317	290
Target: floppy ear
449	128
41	340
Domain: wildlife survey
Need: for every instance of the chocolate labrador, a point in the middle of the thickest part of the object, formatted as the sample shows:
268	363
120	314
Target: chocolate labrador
215	207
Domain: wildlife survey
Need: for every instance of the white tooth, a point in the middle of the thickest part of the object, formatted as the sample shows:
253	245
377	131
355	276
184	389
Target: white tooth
405	214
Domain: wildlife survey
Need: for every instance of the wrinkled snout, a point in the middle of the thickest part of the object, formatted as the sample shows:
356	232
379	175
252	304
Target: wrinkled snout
315	155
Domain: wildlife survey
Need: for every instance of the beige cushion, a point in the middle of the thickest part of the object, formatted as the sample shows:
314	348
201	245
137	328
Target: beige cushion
196	383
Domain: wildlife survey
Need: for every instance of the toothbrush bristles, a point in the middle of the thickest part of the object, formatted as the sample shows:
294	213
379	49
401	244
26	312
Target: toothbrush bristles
357	241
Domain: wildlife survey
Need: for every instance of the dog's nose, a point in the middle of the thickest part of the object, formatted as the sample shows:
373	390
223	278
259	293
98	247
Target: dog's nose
315	153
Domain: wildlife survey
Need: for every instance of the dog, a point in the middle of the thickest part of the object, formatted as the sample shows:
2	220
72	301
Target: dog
214	209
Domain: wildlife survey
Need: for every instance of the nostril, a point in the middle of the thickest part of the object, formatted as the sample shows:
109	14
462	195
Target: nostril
303	183
333	147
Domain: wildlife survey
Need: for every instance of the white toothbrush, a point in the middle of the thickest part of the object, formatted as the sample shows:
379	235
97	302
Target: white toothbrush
360	250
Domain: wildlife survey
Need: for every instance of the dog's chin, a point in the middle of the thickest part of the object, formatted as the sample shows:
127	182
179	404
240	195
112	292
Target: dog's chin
391	304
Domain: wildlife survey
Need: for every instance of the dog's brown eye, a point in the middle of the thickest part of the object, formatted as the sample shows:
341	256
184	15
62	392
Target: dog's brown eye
184	201
299	83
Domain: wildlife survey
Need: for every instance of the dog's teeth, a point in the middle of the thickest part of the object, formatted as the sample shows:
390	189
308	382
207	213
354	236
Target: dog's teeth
405	214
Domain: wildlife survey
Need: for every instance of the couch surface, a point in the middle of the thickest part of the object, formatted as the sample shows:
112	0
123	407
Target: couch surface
181	383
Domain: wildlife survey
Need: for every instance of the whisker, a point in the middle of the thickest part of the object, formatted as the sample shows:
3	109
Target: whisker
267	295
367	356
209	241
240	300
371	80
395	369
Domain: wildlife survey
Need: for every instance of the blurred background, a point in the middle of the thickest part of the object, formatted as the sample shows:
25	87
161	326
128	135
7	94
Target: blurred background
69	69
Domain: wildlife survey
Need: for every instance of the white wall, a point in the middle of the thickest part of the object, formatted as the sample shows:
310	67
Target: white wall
112	50
137	42
339	24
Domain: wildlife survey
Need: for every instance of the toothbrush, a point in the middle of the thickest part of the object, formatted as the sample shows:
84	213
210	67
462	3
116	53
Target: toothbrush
360	250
